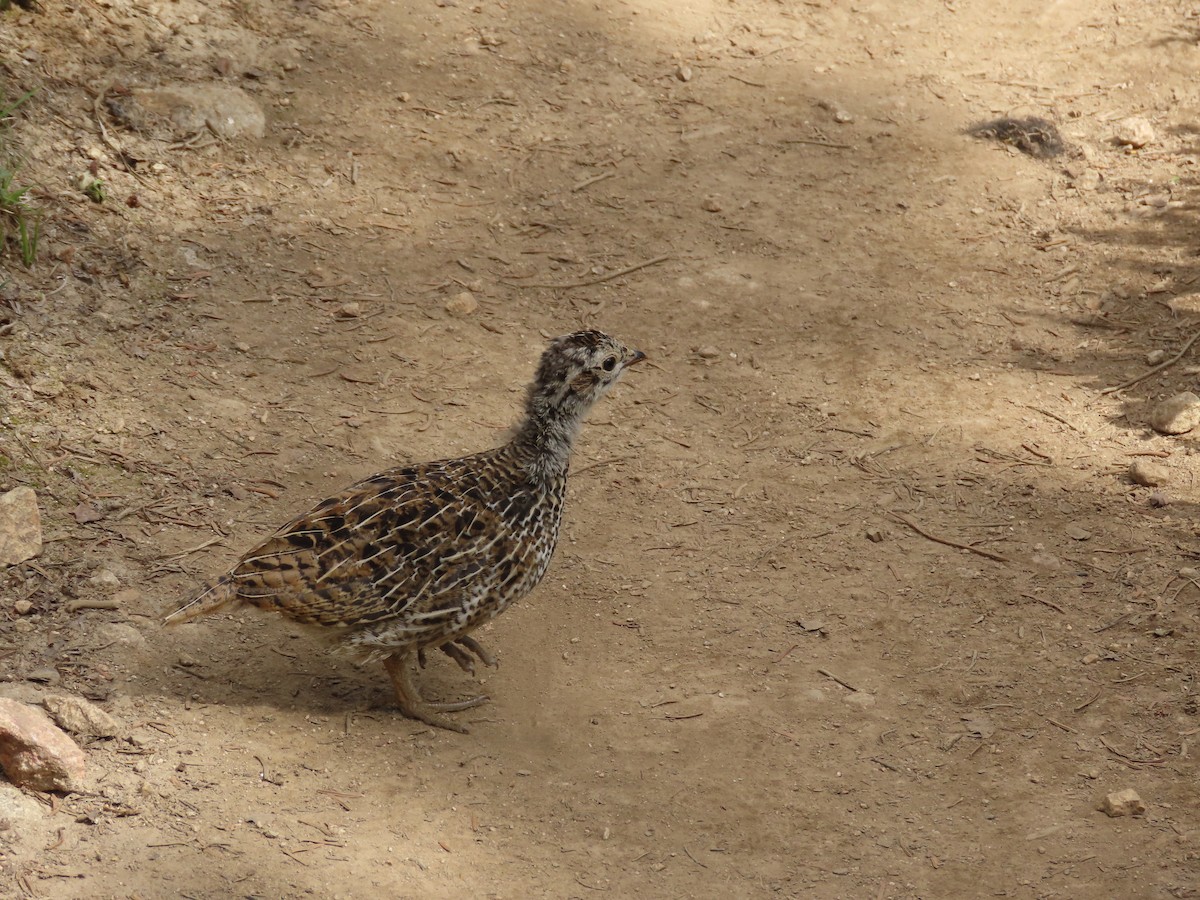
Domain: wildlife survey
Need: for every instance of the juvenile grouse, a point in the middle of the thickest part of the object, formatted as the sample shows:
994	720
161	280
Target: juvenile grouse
419	556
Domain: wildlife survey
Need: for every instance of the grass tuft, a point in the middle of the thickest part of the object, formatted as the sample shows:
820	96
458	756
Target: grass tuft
20	223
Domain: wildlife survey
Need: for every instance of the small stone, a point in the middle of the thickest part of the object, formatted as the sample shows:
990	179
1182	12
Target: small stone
20	526
104	578
1154	357
1089	658
1088	180
1076	533
1134	132
683	73
119	633
875	535
351	309
79	717
567	66
711	204
861	699
1176	415
1147	473
241	347
22	607
35	753
85	513
462	304
708	352
1123	803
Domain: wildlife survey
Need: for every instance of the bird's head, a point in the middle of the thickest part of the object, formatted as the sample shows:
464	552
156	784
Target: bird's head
577	370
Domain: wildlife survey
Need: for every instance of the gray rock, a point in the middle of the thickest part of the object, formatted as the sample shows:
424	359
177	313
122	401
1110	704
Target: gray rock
35	753
1176	415
20	526
81	718
182	110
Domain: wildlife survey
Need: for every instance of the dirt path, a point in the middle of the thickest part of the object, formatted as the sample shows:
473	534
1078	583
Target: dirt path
752	671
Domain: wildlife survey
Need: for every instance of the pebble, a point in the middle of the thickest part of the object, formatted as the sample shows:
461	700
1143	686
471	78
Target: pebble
35	753
708	352
20	526
120	634
1088	180
462	304
1076	533
22	607
1123	803
711	204
861	699
1134	132
1154	357
1147	473
1176	415
104	578
79	717
683	73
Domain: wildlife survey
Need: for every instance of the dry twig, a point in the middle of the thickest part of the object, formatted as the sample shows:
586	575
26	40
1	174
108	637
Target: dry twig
599	279
987	554
1160	367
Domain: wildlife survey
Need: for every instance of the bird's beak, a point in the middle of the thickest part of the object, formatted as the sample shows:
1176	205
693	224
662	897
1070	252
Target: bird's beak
637	357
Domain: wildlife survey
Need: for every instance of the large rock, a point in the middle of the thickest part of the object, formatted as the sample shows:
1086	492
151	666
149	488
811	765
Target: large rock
79	717
35	753
181	110
1176	415
20	526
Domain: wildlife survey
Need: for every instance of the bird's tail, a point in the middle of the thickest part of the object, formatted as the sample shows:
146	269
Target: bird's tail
216	596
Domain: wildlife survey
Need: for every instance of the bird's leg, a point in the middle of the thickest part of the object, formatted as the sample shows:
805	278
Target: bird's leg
401	667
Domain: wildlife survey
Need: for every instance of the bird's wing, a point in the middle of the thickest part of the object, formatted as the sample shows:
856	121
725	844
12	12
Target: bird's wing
405	544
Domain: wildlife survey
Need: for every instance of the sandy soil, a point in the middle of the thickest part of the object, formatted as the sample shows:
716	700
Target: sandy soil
748	673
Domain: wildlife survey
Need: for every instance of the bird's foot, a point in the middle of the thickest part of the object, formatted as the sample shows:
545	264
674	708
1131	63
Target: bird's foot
401	668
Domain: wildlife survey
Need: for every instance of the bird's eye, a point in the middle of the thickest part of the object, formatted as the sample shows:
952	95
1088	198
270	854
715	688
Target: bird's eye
609	364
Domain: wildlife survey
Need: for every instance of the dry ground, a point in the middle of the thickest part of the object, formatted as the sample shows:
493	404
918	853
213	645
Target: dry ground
746	674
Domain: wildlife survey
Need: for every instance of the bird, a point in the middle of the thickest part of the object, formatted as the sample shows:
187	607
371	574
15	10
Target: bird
417	557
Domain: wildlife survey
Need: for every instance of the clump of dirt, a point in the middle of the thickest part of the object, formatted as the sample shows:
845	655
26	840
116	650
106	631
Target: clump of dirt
1033	136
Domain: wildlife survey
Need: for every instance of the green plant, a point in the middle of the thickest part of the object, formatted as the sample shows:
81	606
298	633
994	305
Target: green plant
18	221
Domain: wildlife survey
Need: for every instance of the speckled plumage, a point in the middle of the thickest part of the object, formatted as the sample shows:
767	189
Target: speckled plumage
419	556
